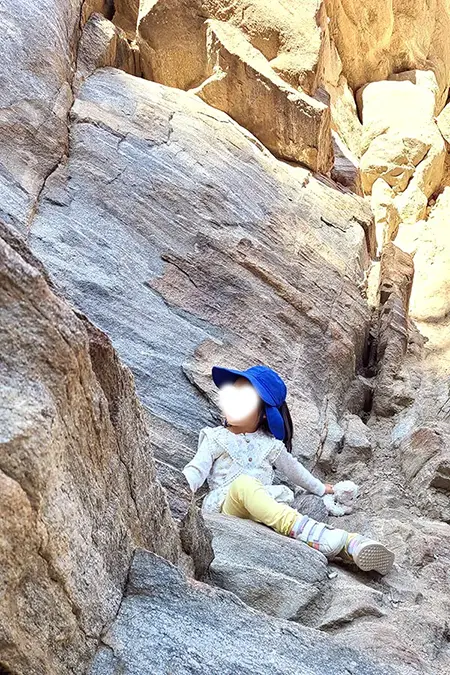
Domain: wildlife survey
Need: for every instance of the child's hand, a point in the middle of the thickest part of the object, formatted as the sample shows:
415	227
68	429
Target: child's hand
329	489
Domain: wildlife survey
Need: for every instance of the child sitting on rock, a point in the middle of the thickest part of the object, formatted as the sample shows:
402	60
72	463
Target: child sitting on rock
238	458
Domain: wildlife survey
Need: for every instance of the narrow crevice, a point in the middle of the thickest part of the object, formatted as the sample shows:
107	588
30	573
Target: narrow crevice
6	670
66	149
370	353
110	10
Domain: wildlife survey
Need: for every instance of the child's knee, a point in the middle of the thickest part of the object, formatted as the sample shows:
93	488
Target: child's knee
242	484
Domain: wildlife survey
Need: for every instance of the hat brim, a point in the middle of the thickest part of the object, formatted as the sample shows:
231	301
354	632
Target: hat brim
222	376
275	422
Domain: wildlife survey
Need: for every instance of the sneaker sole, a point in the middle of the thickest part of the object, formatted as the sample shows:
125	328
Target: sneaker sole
374	556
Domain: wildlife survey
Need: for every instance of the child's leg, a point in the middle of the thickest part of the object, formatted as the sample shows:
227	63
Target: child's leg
247	498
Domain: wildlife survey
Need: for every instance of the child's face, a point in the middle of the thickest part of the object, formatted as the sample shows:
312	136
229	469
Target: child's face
240	403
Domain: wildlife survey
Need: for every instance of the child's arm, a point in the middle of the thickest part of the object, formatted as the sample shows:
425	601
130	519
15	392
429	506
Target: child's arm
299	475
197	470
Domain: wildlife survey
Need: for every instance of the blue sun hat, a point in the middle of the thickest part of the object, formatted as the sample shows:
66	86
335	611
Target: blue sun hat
269	386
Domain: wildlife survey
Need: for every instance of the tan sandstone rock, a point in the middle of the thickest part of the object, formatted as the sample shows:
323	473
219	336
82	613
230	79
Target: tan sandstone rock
231	61
126	16
443	122
104	7
402	145
386	216
429	242
375	39
103	44
289	36
289	123
344	114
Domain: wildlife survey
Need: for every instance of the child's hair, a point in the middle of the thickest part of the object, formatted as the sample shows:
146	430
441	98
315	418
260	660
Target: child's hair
288	425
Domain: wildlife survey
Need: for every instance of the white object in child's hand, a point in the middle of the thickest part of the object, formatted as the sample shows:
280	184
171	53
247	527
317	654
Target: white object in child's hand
237	403
343	499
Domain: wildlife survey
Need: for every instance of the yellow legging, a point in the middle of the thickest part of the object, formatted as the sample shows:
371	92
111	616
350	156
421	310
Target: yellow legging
247	498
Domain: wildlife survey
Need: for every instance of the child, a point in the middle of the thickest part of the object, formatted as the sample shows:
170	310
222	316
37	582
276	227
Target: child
238	460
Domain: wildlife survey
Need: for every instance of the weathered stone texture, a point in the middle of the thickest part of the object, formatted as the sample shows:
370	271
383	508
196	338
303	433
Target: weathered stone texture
37	63
211	632
78	483
251	254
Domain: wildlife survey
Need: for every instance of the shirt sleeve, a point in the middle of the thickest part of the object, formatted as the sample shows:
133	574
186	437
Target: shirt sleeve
297	473
197	470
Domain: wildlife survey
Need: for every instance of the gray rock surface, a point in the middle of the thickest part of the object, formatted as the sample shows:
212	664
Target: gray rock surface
195	246
77	478
310	505
272	573
167	624
37	57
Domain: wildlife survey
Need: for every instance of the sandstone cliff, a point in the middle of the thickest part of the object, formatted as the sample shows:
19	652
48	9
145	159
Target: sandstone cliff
191	182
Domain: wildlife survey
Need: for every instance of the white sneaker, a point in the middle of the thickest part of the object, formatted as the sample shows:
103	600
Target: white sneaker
368	554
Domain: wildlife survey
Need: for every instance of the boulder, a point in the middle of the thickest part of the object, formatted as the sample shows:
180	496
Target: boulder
378	39
172	43
291	124
192	627
103	44
401	143
241	55
78	483
275	574
172	35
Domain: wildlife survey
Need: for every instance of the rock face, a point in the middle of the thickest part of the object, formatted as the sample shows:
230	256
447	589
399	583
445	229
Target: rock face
304	133
258	254
210	632
396	278
429	242
375	40
401	144
78	483
253	238
192	238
